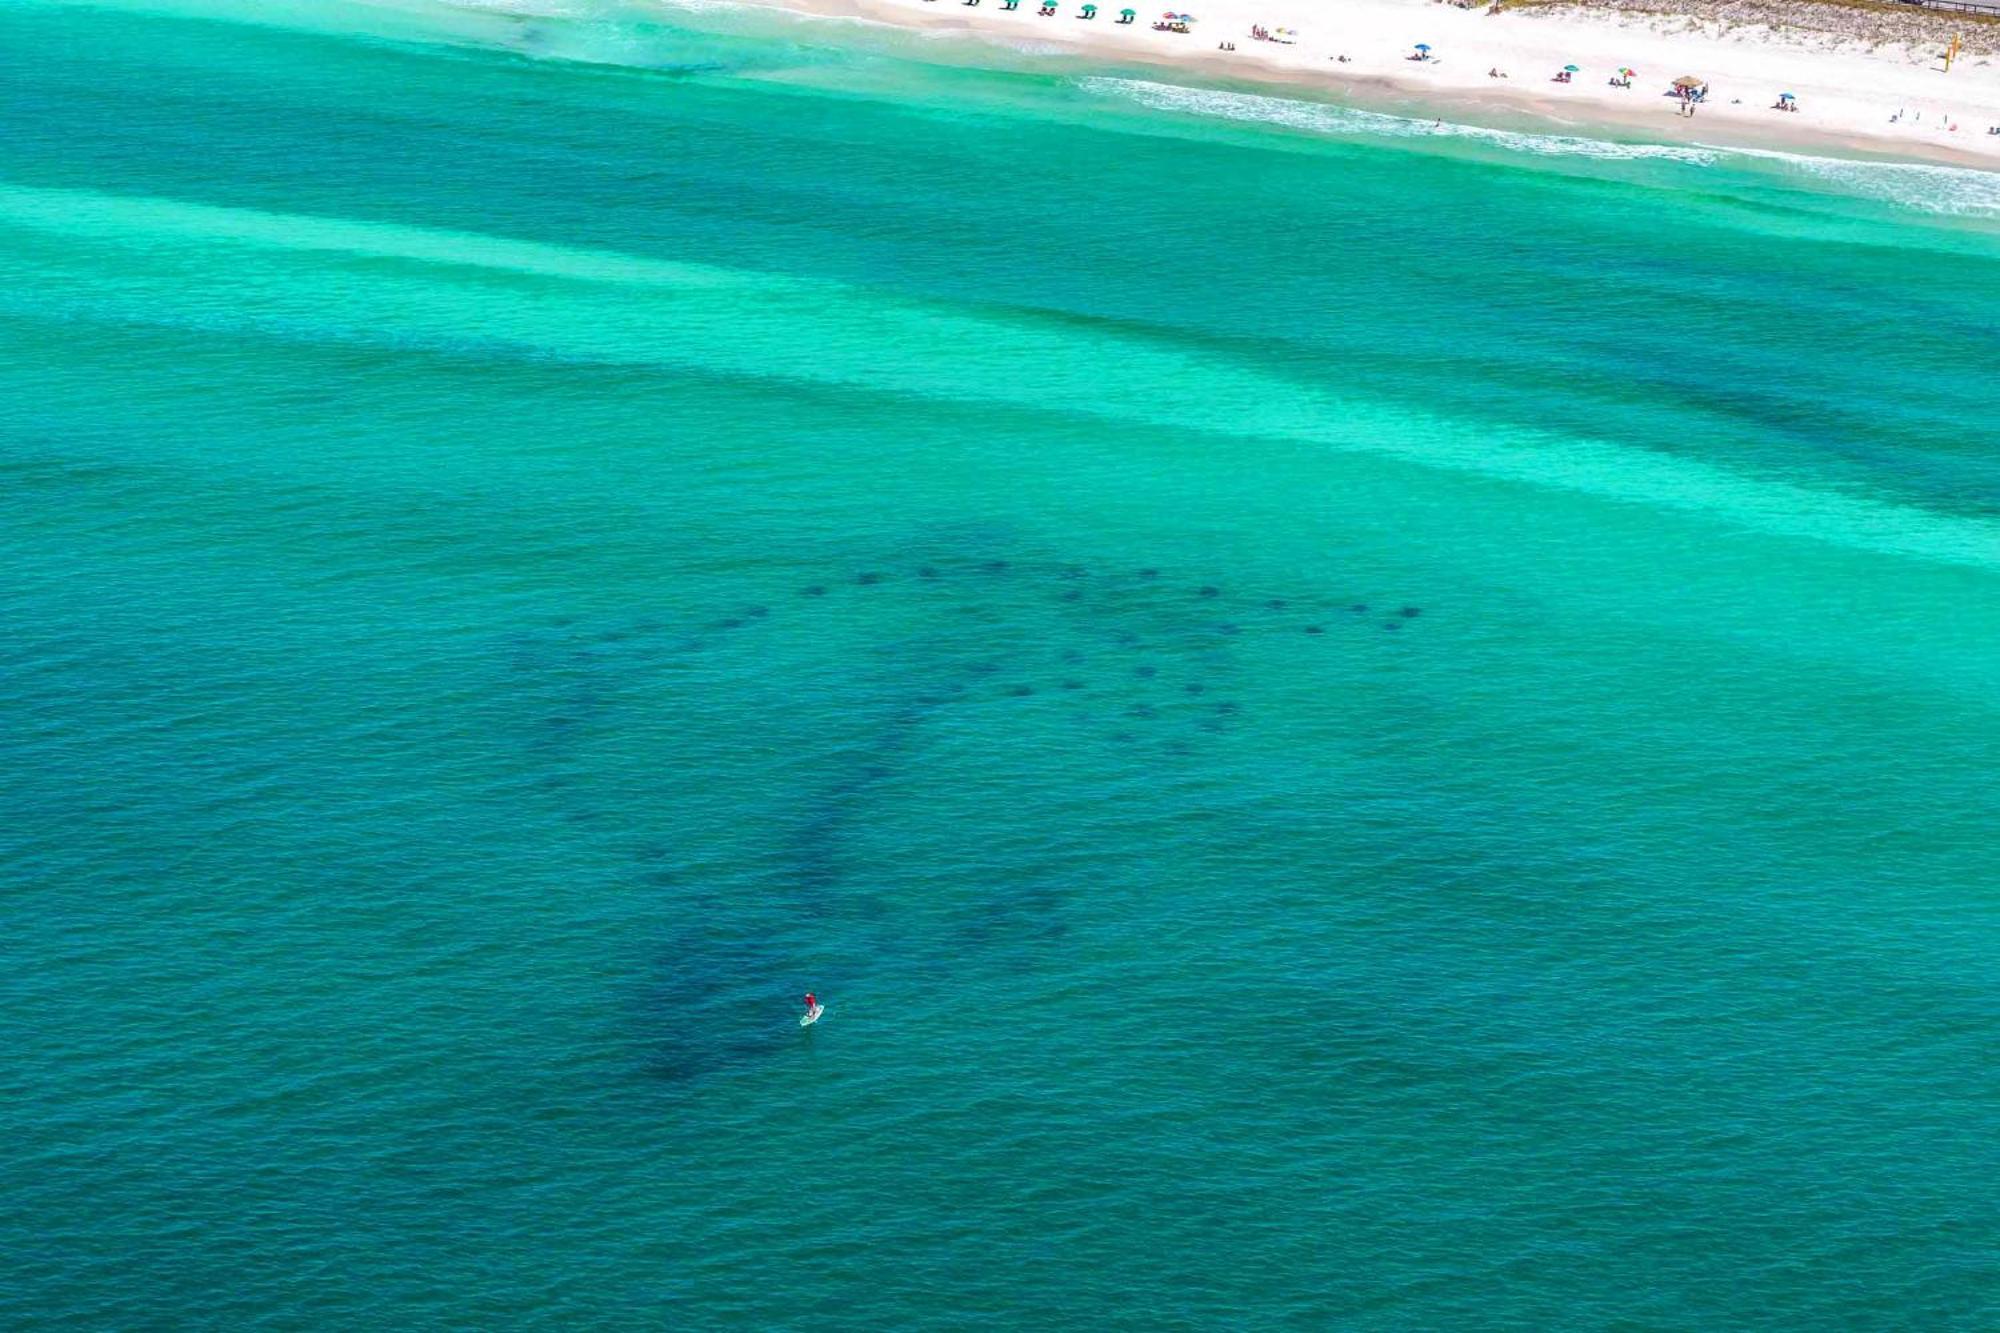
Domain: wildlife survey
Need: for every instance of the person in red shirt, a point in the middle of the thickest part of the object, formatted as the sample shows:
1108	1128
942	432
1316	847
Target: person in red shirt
811	1003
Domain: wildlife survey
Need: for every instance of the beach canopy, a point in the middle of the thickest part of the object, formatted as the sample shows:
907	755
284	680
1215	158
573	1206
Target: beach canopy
1090	9
1687	81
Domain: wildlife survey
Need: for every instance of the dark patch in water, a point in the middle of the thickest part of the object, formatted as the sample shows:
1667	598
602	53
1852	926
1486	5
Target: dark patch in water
1410	612
732	623
927	572
1227	709
995	566
1072	684
1226	628
1195	687
1142	711
1149	573
1209	591
1027	917
1359	608
1072	595
1020	691
868	579
758	612
1276	603
814	591
711	1006
1392	624
1075	572
1315	629
1071	655
1147	671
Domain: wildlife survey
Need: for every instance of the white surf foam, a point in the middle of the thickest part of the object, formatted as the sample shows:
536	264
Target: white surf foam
1324	118
1929	187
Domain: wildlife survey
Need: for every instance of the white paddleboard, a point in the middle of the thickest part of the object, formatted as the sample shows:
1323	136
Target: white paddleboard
807	1020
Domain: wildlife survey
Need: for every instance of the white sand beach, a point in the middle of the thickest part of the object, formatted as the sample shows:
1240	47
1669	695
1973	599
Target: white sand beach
1863	79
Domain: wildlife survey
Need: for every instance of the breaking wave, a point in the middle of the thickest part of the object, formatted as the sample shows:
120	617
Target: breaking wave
1325	118
1928	187
1932	188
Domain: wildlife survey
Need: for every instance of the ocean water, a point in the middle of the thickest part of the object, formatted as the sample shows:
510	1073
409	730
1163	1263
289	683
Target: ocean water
1361	722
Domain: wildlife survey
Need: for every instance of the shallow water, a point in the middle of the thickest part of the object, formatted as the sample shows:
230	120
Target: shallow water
1355	725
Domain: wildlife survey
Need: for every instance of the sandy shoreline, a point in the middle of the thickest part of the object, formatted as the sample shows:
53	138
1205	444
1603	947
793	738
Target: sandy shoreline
1890	100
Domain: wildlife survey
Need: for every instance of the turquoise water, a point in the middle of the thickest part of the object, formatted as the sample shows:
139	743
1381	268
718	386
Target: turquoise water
1358	726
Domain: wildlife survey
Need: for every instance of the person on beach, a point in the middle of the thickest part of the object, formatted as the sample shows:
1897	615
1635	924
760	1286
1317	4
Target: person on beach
812	1003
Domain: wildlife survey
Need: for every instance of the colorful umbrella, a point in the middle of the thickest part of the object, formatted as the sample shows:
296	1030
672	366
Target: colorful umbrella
1423	46
1572	69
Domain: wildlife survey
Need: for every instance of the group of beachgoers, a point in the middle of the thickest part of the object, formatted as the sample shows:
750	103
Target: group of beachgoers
1688	92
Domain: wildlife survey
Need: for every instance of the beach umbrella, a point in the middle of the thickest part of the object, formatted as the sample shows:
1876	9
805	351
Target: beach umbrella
1629	73
1090	9
1423	46
1128	13
1573	69
1687	81
1787	97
